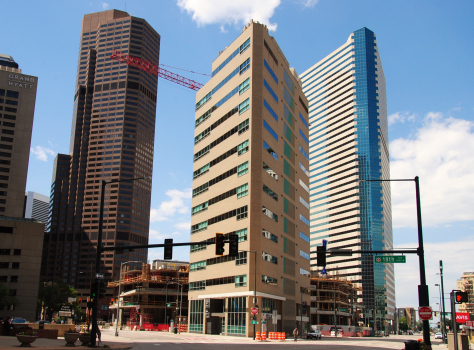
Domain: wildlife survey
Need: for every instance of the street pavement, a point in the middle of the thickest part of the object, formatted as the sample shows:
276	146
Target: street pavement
186	341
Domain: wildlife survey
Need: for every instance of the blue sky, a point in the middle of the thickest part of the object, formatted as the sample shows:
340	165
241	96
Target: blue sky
427	55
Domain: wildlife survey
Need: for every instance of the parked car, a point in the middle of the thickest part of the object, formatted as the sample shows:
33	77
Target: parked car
316	334
438	335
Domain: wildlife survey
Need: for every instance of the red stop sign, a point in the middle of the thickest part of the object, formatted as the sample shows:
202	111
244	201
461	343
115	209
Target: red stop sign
254	310
425	313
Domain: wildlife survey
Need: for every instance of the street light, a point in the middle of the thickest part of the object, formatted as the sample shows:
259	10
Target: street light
99	249
118	298
423	296
445	338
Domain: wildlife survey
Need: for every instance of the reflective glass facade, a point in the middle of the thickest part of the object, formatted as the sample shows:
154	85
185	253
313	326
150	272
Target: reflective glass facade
348	143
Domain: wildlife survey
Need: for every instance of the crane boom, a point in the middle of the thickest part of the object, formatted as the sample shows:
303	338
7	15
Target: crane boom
149	67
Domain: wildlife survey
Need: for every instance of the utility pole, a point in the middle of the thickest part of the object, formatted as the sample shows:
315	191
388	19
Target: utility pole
335	311
445	338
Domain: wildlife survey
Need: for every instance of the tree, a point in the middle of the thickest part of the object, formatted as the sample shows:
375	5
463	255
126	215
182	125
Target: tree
402	324
7	297
52	297
419	325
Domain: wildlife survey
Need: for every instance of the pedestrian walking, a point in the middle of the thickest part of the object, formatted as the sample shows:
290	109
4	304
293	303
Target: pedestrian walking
295	333
6	326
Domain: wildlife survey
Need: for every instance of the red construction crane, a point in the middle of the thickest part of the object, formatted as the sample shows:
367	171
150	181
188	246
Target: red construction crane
153	69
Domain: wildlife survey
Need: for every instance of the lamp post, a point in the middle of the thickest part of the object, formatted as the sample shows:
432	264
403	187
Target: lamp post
255	283
423	298
445	338
118	296
99	250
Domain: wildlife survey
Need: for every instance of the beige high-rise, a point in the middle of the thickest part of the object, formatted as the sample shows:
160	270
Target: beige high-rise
251	179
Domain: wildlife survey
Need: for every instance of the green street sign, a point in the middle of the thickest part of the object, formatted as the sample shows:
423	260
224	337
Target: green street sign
390	259
253	322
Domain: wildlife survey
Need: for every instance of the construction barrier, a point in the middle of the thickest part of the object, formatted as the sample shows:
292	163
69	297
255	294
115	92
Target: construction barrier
264	336
282	336
257	336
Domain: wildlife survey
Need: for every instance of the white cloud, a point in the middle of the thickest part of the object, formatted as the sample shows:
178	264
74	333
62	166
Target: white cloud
400	117
309	3
169	208
183	225
441	154
230	12
455	255
42	153
105	6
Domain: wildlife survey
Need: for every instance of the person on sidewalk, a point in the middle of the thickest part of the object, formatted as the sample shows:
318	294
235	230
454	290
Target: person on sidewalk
295	333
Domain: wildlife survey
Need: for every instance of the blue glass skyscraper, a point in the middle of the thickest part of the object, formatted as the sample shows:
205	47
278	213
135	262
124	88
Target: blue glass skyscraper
349	143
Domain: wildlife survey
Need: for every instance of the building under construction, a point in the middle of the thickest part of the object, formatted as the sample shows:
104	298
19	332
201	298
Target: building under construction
152	296
335	298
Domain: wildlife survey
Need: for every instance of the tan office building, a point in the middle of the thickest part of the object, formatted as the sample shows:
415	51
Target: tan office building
17	108
251	179
465	284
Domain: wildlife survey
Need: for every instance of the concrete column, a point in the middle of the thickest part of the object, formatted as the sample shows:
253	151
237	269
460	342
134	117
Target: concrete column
141	319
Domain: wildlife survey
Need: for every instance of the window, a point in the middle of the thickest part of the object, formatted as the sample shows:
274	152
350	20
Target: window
302	218
4	251
4	265
288	81
245	45
270	71
270	171
199	227
270	214
302	184
241	259
3	278
287	114
243	147
243	169
13	278
303	152
237	315
200	265
200	208
244	86
203	188
304	237
304	137
200	285
270	130
16	251
275	97
304	272
201	171
269	280
304	169
272	112
196	316
242	190
269	235
244	106
304	255
242	213
270	150
241	281
244	66
268	191
303	120
306	204
203	101
270	258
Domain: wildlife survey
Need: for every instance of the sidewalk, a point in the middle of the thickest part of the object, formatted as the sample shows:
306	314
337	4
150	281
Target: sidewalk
60	343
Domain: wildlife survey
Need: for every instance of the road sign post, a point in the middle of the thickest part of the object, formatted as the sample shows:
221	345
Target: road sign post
254	310
390	259
425	313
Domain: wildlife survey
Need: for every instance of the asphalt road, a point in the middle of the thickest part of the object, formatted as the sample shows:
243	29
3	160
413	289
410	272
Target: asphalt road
186	341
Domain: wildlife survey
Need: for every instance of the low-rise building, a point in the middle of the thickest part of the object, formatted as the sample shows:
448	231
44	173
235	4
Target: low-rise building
465	284
151	295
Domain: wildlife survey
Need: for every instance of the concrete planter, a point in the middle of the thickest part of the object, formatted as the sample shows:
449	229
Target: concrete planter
71	338
25	340
85	339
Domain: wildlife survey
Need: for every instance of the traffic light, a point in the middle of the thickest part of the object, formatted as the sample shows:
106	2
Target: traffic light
220	244
461	297
321	255
233	245
80	300
94	289
168	305
102	289
168	255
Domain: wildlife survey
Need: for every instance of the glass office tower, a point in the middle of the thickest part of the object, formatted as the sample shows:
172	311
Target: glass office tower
349	143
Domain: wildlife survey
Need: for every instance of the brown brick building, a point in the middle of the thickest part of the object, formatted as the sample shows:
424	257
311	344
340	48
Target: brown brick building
112	138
